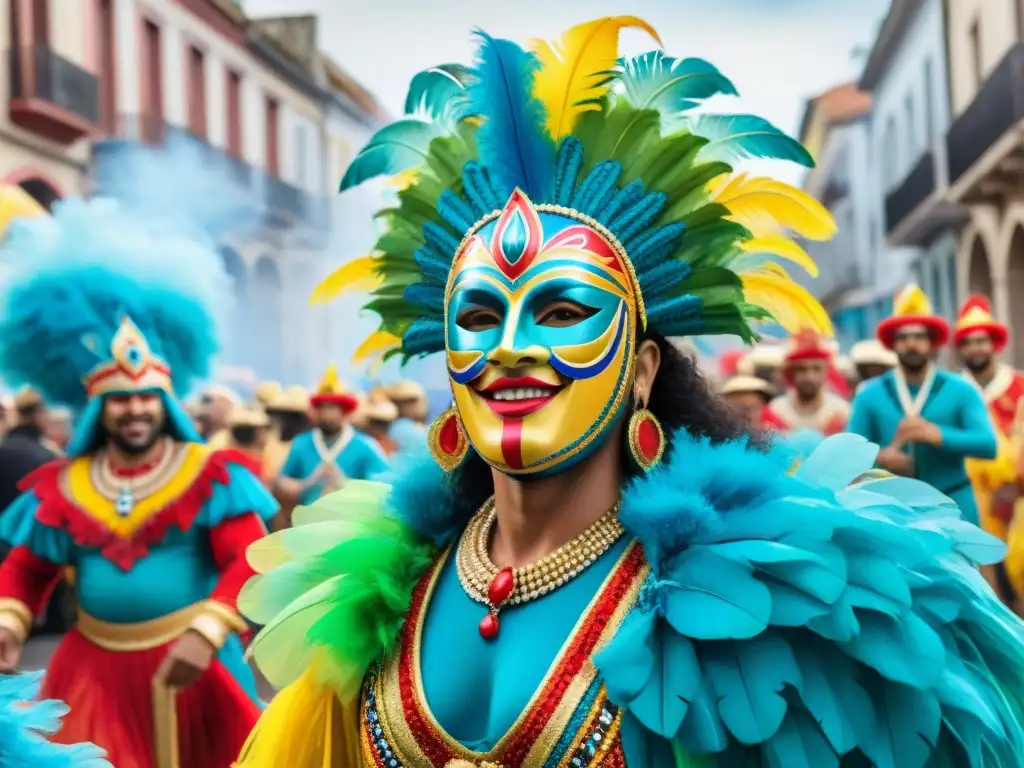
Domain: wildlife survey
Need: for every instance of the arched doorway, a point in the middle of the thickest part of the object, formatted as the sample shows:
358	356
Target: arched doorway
1014	281
979	270
235	337
264	306
43	191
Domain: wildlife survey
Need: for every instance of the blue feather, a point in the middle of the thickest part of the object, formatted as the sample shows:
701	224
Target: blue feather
439	94
74	275
799	744
743	137
511	143
393	149
669	85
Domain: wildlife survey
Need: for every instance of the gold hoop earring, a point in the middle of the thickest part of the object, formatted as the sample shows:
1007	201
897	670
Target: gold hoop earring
646	439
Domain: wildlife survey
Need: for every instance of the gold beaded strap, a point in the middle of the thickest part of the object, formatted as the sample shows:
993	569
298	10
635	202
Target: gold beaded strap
497	587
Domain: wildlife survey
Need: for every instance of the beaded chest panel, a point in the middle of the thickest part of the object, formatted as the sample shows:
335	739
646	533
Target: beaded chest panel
568	723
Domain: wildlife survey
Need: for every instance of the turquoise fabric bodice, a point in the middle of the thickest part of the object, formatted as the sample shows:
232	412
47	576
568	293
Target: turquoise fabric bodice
953	405
361	459
477	688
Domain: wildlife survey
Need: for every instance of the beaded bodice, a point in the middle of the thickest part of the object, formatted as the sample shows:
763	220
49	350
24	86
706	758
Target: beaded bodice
568	722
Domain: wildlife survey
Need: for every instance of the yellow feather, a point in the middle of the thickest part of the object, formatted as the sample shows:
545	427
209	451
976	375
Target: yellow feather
784	248
761	202
357	275
404	179
790	303
375	345
571	70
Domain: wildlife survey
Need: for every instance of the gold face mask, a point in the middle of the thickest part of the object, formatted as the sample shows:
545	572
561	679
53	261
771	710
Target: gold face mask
540	319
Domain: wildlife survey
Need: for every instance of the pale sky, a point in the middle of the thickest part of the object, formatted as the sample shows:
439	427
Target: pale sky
778	53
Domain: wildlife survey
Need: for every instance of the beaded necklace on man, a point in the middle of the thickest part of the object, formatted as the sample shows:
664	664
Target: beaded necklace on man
497	587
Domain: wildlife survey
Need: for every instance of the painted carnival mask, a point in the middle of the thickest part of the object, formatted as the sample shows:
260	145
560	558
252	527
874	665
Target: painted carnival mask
541	315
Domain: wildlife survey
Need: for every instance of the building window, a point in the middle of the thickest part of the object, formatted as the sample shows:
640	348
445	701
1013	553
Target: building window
152	83
196	91
1018	19
40	22
929	104
107	64
300	156
234	91
271	119
951	277
975	52
890	154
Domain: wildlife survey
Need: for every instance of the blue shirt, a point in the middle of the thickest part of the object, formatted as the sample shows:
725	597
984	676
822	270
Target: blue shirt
955	407
360	459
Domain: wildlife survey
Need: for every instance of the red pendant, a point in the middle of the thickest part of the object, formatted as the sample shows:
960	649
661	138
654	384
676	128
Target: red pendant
648	439
448	437
489	626
502	584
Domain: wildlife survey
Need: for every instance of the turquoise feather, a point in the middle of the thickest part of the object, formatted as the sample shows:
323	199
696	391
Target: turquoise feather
831	620
393	149
439	94
743	137
512	142
670	85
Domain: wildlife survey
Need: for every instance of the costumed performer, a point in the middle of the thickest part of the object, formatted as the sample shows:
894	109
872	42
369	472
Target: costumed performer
249	426
871	359
323	458
808	403
749	396
600	569
374	417
113	316
929	421
289	417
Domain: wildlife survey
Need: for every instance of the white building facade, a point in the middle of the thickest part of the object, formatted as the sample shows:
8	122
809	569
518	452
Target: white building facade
906	74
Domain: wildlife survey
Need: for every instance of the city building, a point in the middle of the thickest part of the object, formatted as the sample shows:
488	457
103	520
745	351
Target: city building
835	130
985	147
245	95
50	82
913	222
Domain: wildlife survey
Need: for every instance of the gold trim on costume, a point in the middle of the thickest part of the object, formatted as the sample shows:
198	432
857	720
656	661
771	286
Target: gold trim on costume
165	725
389	704
16	617
144	635
79	484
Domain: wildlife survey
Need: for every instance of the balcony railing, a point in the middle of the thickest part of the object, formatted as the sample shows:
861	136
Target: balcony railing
52	95
915	189
998	107
283	202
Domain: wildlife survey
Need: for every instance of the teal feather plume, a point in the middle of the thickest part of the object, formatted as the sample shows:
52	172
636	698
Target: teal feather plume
511	142
670	85
439	94
743	137
393	149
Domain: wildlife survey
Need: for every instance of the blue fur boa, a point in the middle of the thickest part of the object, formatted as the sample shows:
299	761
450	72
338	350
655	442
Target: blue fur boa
799	616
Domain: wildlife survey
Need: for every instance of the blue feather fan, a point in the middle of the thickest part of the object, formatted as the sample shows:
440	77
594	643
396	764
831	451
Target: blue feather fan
512	143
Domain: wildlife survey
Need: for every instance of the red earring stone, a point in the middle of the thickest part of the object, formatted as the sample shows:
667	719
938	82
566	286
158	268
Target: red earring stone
447	440
646	439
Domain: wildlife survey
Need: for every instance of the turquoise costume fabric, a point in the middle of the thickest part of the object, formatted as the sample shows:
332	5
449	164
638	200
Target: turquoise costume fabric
25	723
176	573
956	407
360	459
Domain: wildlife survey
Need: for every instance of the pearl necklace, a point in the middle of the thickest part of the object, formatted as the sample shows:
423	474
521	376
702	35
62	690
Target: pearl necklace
497	587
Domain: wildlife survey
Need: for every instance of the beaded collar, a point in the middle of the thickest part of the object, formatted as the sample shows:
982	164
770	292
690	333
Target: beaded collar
568	722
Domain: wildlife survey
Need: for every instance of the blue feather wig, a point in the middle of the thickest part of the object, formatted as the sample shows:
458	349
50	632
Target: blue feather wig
72	278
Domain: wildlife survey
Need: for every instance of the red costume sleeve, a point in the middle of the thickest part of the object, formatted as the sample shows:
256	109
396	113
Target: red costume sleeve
28	578
228	542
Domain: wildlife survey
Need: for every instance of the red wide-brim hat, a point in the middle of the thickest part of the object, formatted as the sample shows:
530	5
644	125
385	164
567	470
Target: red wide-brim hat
936	326
998	332
345	401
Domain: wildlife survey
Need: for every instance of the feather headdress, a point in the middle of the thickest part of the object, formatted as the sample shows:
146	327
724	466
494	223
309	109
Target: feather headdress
73	280
571	124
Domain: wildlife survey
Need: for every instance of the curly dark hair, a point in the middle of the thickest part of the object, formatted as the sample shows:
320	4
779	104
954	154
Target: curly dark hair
680	399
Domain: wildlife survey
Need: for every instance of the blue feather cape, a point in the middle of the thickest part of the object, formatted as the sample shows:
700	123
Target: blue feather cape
798	619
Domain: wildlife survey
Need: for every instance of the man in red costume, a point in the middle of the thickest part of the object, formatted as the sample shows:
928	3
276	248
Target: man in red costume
155	523
979	338
808	403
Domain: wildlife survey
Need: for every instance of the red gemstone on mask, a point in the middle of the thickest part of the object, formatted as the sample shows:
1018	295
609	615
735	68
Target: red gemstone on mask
448	437
502	584
489	626
648	439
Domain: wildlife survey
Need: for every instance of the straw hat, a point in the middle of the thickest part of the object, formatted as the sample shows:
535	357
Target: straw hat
293	399
266	391
249	416
405	390
27	397
739	385
872	352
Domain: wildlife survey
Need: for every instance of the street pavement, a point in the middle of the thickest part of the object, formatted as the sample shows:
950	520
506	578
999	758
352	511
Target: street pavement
40	648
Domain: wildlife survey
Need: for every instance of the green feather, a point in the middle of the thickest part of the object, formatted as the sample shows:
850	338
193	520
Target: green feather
439	94
743	137
669	85
393	149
